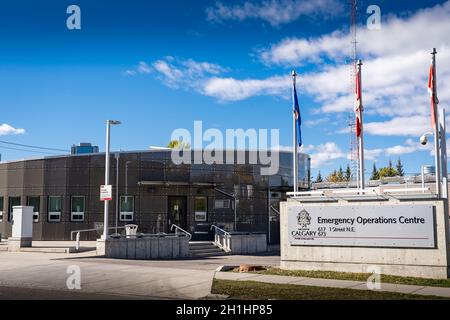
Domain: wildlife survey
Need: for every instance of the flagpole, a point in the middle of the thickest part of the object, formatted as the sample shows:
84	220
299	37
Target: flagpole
436	129
361	137
294	131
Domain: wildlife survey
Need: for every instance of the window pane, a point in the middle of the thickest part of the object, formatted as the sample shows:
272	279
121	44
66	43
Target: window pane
200	204
35	203
1	203
126	204
77	204
54	204
13	202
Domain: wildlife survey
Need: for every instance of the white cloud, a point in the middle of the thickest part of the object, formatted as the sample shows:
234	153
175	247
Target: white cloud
205	78
6	129
325	154
186	73
423	30
141	68
274	12
413	126
230	89
395	70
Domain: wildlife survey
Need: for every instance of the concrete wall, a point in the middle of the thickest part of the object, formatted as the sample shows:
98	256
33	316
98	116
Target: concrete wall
426	263
152	248
242	243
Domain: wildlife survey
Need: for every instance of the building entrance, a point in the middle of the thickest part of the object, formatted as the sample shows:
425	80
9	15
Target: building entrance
177	211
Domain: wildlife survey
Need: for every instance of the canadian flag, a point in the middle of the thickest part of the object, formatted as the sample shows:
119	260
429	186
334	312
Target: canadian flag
432	92
358	102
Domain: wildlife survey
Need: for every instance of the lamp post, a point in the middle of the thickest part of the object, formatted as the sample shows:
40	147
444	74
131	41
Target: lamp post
109	123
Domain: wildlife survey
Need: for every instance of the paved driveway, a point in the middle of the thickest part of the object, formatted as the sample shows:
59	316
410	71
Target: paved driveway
43	275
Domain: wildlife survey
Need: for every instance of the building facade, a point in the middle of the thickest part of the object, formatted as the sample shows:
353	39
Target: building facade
148	190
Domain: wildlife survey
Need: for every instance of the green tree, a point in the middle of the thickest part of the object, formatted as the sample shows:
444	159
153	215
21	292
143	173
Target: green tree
388	171
340	175
348	173
319	178
375	173
399	167
178	144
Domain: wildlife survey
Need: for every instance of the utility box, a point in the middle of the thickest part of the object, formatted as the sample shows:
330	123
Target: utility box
22	228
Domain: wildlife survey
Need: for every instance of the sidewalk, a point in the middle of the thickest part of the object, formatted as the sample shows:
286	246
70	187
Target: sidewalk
343	284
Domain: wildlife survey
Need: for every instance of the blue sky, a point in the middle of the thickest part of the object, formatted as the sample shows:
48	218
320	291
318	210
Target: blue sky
161	65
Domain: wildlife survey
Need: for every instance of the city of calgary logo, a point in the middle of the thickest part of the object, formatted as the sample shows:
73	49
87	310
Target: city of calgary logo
303	218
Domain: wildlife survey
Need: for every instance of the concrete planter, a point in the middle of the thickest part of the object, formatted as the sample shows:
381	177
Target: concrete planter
242	243
150	248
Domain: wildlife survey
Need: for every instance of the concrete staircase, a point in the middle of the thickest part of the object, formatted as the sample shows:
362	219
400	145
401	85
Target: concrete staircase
205	249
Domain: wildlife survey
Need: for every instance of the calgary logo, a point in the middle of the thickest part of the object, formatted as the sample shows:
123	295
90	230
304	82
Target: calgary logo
303	218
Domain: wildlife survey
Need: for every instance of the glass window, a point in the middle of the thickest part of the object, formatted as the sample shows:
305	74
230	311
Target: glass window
78	204
13	202
35	203
1	209
201	209
54	209
222	204
126	208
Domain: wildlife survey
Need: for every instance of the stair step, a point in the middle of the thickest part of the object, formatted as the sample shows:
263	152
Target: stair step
202	247
212	251
201	244
204	255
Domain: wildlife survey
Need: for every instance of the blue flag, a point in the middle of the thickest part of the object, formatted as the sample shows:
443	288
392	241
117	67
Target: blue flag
298	118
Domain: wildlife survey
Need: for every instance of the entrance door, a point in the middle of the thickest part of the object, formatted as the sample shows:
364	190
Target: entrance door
177	211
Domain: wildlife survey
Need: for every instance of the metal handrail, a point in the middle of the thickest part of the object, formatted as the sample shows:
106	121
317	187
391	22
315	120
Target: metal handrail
275	210
77	239
90	230
182	230
220	229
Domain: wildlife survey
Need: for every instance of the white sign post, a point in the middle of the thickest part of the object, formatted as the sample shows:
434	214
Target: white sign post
106	193
362	226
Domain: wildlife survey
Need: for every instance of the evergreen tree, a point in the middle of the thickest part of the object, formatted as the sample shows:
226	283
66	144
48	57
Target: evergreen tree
375	174
348	173
340	175
400	171
319	178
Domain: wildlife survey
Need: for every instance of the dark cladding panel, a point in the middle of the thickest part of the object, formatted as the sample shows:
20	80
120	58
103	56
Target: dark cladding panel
97	161
34	177
153	204
79	177
55	176
15	176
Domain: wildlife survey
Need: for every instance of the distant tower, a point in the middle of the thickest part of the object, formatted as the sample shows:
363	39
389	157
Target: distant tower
353	142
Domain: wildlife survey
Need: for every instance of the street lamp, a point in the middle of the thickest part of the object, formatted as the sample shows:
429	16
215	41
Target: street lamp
109	123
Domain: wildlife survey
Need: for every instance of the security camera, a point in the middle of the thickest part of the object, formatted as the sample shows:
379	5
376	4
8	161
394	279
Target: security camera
423	140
